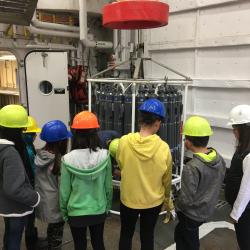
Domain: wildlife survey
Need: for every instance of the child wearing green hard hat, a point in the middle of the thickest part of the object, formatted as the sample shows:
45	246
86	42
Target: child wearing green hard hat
17	197
201	182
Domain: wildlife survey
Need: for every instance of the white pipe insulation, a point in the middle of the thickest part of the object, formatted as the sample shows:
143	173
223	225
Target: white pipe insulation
39	45
49	32
60	30
53	26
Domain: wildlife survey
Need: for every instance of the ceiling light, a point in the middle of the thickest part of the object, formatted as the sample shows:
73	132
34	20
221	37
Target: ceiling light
7	58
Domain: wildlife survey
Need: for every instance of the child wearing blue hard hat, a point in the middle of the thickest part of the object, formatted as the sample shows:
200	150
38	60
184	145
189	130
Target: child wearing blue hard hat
146	171
48	161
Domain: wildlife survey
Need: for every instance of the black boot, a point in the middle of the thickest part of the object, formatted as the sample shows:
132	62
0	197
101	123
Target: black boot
42	243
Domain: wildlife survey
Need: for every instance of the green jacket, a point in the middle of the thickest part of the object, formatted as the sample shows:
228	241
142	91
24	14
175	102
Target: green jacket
86	183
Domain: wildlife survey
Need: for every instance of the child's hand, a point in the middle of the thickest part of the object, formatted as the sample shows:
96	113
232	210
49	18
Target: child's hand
170	216
167	206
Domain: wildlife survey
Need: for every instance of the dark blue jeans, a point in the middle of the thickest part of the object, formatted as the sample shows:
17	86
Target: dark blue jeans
14	227
186	234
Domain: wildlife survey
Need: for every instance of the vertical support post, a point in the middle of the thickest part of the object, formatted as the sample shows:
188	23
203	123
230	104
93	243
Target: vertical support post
133	107
116	43
90	95
184	119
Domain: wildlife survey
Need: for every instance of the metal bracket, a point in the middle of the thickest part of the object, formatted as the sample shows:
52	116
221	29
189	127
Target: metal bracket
137	68
44	55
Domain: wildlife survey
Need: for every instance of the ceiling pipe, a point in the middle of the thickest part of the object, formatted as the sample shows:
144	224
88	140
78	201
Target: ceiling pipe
59	30
40	45
84	30
48	32
50	46
53	26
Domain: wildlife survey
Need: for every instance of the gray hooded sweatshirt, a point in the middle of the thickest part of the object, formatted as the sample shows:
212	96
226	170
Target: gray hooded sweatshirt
201	183
17	197
47	184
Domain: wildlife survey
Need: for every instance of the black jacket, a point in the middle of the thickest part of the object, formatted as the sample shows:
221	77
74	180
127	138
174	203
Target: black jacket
234	177
17	197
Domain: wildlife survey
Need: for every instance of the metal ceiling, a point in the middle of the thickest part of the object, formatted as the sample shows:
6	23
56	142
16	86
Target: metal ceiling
18	12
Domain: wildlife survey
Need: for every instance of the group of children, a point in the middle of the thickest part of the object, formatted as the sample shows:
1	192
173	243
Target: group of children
76	186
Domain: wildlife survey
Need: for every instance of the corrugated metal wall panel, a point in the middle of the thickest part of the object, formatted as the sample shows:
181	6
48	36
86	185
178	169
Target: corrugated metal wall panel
212	45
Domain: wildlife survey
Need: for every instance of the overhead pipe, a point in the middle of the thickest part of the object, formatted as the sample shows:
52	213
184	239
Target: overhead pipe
48	32
43	46
50	46
53	26
40	45
84	30
59	30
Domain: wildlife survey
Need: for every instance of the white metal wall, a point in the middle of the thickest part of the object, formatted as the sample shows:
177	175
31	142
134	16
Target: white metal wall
209	40
94	6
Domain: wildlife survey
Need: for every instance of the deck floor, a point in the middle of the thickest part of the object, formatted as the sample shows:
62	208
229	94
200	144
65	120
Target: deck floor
215	235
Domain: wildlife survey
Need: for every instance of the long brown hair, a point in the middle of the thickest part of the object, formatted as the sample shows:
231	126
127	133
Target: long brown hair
86	138
59	149
244	137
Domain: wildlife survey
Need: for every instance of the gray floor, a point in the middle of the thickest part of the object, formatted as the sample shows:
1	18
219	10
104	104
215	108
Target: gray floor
217	239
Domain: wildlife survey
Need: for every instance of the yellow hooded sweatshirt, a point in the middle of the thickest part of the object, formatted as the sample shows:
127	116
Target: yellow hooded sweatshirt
146	171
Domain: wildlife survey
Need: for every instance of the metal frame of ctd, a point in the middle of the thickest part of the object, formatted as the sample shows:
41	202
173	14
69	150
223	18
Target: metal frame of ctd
184	83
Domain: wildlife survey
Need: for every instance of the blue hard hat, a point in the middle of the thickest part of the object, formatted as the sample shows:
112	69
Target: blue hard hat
153	106
54	131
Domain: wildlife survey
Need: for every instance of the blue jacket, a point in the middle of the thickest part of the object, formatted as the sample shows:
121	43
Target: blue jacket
107	135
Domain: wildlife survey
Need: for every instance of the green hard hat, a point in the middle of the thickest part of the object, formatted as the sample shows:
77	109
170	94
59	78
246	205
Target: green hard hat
197	126
113	147
14	116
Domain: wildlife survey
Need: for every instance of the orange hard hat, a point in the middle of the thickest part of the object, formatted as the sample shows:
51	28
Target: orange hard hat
85	120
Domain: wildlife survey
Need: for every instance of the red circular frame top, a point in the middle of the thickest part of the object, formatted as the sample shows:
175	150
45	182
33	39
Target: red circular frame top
135	15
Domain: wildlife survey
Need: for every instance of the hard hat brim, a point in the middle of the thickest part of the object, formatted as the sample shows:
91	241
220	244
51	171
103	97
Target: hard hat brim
67	136
38	130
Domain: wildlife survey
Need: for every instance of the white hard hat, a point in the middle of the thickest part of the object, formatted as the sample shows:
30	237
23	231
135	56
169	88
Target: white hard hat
239	115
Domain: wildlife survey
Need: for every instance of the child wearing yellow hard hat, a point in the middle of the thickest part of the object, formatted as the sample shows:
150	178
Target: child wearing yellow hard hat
201	182
29	135
17	197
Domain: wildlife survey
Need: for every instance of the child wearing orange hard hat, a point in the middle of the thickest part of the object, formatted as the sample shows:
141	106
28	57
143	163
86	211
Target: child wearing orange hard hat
86	183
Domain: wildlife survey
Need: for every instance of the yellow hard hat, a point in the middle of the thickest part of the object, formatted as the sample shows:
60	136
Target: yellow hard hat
197	126
33	128
113	147
14	116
